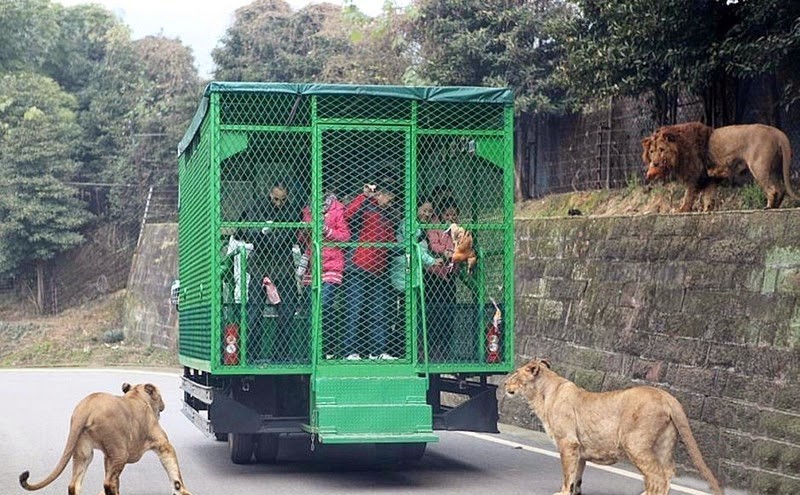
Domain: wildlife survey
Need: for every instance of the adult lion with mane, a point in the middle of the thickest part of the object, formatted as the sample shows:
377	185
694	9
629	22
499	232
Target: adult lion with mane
123	428
640	423
701	157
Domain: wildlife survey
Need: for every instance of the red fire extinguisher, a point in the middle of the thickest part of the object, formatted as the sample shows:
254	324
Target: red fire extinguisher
230	352
493	333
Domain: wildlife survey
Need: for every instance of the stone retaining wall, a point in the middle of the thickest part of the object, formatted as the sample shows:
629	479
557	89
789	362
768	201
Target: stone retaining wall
706	306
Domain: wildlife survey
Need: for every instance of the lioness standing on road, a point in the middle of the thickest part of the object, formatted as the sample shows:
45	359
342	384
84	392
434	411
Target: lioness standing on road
123	428
640	423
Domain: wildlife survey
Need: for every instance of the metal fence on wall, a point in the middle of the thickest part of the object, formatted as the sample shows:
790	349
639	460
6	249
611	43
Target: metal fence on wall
602	148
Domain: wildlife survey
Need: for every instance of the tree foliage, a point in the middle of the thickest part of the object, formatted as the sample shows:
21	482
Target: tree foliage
42	215
76	92
472	42
268	41
640	47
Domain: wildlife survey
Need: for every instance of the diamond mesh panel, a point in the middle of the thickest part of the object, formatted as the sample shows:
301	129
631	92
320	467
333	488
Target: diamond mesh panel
461	177
255	109
441	115
363	108
366	169
265	181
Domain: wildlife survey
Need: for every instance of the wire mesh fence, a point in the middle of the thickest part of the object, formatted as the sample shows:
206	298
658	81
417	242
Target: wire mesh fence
601	148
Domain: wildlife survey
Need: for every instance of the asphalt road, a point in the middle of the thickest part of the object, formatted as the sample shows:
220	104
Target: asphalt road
38	404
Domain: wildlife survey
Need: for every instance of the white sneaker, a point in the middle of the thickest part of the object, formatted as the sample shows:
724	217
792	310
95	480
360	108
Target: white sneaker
353	357
329	356
387	357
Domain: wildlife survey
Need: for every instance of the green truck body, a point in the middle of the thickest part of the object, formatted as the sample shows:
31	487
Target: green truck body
362	344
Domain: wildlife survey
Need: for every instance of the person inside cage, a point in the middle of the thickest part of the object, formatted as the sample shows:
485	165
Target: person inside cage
367	287
271	290
334	229
399	268
440	280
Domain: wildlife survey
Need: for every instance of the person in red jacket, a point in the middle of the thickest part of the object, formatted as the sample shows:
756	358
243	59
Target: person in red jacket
367	287
334	229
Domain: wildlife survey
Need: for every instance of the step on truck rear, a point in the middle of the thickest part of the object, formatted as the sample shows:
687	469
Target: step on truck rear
346	260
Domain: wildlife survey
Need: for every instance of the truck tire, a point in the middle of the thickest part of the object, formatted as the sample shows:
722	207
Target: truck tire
267	448
241	447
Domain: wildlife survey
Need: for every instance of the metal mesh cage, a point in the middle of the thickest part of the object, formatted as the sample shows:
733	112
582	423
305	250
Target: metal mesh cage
330	216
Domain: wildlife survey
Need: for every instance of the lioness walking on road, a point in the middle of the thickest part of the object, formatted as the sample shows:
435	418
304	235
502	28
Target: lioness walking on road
123	428
640	423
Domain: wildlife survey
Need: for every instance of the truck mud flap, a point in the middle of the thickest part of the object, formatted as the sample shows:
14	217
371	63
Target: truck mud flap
478	413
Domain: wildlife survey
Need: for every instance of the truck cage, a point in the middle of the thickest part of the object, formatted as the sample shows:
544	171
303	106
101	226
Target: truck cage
326	283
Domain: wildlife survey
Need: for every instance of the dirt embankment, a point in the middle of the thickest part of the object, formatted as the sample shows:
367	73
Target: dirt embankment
88	335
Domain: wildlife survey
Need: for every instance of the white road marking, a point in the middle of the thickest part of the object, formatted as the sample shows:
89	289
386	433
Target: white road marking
549	453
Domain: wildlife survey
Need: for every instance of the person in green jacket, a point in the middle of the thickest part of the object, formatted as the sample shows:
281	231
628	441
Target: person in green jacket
399	268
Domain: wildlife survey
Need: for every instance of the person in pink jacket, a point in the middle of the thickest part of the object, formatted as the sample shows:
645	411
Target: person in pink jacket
334	229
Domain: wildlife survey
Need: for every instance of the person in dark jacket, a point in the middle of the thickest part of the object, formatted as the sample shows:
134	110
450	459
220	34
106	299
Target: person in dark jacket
271	266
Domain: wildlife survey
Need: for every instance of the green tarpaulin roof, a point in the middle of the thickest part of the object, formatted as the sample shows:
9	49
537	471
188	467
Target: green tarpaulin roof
453	94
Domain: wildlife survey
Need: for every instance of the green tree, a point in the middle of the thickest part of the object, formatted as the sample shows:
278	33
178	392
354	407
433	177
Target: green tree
81	45
497	43
42	215
251	47
28	33
708	48
379	49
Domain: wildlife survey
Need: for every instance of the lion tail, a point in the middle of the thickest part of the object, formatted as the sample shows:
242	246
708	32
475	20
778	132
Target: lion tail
786	150
681	422
75	428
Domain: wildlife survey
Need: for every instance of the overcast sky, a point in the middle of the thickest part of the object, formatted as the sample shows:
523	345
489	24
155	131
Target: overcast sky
198	23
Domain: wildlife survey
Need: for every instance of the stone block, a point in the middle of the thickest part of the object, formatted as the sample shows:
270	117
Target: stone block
780	425
695	379
727	355
678	325
730	414
788	281
566	289
677	350
787	397
589	379
550	309
736	446
775	456
559	269
667	300
755	390
769	483
732	250
702	275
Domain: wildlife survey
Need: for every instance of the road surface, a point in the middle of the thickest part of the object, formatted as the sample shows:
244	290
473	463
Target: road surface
38	404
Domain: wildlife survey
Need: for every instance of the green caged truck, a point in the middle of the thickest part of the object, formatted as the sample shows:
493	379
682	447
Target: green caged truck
346	263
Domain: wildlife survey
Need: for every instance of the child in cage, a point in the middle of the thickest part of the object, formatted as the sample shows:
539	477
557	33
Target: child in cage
334	229
367	287
399	269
